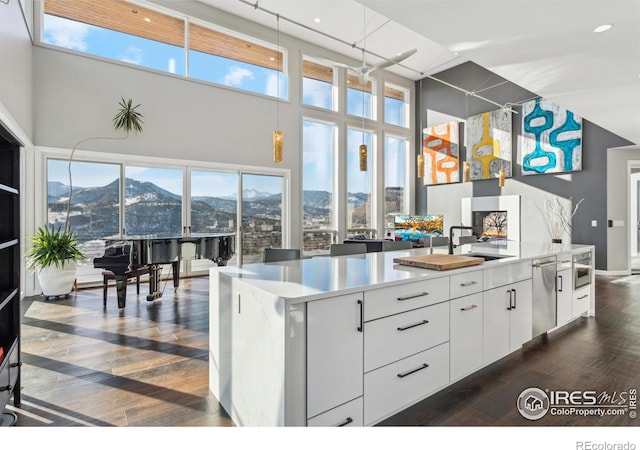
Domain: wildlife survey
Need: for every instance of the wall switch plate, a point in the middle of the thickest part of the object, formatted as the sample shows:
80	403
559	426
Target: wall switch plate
594	223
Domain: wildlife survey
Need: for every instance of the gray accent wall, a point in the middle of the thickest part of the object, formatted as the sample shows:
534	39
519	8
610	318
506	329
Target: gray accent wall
590	183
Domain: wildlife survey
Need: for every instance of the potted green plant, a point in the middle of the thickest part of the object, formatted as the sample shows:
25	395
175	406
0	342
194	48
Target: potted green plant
55	252
54	255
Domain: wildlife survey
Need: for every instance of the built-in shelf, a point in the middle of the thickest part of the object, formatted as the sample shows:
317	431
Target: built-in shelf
10	313
7	244
6	296
8	189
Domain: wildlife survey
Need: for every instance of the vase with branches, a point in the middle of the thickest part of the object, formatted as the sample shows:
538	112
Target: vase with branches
559	217
55	251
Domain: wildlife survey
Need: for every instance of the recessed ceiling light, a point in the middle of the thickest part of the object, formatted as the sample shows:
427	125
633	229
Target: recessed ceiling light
603	28
317	20
146	19
134	11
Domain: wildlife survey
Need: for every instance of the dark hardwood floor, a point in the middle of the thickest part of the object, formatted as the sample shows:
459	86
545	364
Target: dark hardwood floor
84	365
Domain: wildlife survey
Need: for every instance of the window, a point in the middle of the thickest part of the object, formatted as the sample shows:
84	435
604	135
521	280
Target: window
153	201
262	201
318	85
117	30
317	186
95	204
237	62
214	207
360	98
130	33
359	183
396	150
396	105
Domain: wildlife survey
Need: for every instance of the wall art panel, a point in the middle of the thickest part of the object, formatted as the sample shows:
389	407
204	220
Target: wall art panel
489	144
551	138
441	147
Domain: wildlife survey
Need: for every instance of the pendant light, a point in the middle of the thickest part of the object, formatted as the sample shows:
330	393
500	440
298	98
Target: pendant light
278	138
420	158
364	82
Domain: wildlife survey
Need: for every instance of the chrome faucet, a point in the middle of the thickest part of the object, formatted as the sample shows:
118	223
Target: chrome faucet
457	227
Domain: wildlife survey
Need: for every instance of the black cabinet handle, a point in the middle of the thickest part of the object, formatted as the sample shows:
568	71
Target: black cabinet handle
18	364
361	326
409	297
509	293
424	322
584	296
402	375
560	287
468	308
346	422
468	283
5	388
515	298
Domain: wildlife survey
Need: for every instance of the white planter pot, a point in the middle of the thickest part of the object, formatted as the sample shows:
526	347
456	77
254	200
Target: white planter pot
55	280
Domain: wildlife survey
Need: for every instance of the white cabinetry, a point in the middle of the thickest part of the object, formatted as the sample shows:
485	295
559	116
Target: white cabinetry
391	338
564	297
581	301
507	319
334	352
465	335
393	387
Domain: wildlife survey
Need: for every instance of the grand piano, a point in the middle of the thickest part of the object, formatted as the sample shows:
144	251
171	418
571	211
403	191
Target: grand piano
129	254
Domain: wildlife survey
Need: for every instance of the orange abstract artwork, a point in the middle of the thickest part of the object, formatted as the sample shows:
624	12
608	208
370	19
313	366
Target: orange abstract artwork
440	146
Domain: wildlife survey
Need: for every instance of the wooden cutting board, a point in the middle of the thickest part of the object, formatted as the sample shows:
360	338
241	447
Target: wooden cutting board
439	261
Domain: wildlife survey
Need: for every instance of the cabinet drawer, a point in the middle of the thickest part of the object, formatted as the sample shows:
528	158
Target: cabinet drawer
396	299
396	386
395	337
347	415
511	273
465	338
581	301
465	283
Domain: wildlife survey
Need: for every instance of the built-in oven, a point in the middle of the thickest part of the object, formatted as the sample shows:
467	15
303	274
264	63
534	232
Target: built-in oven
582	267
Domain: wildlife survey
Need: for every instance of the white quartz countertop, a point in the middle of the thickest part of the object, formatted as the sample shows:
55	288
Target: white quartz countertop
317	277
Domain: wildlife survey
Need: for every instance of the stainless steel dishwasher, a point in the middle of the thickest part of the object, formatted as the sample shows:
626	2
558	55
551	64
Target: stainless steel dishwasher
544	295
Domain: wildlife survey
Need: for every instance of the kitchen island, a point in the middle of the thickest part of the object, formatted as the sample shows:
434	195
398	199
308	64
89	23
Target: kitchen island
352	340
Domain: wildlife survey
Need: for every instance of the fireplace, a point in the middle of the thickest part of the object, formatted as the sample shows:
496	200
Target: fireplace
493	218
491	224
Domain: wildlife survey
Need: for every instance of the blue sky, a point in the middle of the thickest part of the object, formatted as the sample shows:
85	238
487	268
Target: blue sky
164	57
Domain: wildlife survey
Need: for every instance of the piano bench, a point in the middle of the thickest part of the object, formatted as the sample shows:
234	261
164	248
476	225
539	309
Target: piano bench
109	275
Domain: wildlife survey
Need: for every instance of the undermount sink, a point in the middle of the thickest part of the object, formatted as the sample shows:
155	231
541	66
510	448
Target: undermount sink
487	257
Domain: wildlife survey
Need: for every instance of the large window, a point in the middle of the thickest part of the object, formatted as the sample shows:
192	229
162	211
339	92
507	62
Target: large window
153	201
95	197
127	32
318	85
318	162
360	97
360	183
117	30
395	178
262	201
232	61
396	105
214	207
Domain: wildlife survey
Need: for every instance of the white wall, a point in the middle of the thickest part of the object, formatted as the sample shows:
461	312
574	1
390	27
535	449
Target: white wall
618	244
447	200
16	72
